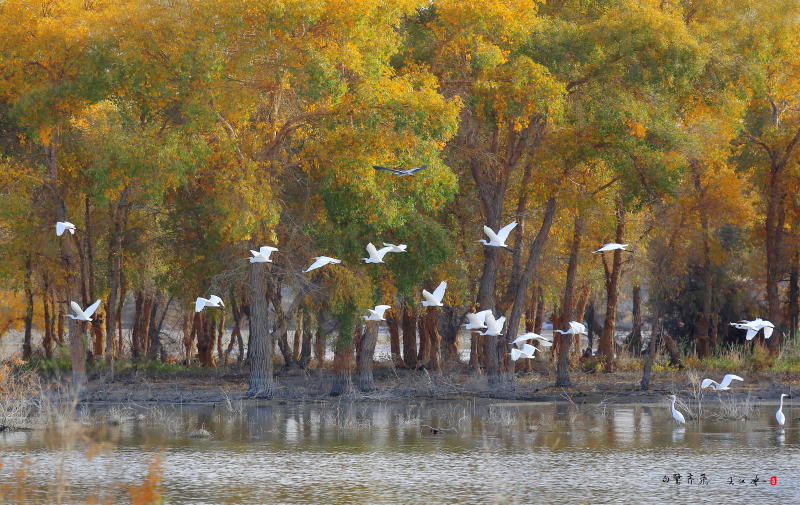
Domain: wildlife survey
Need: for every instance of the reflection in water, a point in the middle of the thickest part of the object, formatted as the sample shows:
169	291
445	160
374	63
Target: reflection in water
424	452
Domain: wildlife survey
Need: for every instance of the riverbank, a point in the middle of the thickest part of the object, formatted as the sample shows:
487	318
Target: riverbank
455	382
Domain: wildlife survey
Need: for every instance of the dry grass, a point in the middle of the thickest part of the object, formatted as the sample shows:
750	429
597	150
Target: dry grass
732	409
20	396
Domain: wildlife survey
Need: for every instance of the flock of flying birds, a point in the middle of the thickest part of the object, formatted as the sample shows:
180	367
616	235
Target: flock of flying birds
478	321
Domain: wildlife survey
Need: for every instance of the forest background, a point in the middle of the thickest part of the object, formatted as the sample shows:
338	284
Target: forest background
177	135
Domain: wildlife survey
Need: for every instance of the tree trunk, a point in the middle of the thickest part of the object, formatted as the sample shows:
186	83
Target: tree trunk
429	332
563	343
701	331
298	337
144	325
424	354
409	335
606	347
635	339
319	344
364	366
342	367
505	378
153	332
220	334
449	327
580	312
26	343
393	321
794	300
262	384
652	350
60	332
47	342
672	349
206	338
236	334
308	335
187	336
115	253
136	348
122	294
97	330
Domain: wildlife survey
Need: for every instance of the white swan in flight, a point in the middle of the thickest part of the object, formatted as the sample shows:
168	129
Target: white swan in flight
545	341
611	247
211	301
434	299
321	261
66	225
376	255
396	248
720	386
377	314
494	327
477	320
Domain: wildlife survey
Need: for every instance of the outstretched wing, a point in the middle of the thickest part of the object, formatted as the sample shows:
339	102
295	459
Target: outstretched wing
77	309
491	234
515	354
412	171
373	253
751	333
267	250
216	299
385	169
707	382
728	378
93	307
500	322
768	331
505	231
529	349
491	324
439	292
60	228
199	304
381	309
321	260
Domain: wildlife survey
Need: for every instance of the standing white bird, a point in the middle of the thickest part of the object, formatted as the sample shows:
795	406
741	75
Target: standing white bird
396	248
612	247
321	261
83	315
477	320
753	326
376	255
66	225
494	327
211	301
720	386
779	414
377	314
675	414
262	255
526	352
545	341
497	239
434	299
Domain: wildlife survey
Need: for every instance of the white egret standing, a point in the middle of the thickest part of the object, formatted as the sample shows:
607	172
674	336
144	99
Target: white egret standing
377	314
675	414
497	239
321	261
612	247
66	225
477	321
545	341
434	299
262	255
779	414
376	255
720	386
83	315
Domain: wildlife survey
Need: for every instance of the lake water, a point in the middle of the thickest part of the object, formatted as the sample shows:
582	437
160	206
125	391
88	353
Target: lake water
385	453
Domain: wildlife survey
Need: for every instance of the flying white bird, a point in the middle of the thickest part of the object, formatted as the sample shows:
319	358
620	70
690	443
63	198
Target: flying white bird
477	320
434	299
377	314
779	414
611	247
675	414
526	352
494	327
212	301
753	326
321	261
396	248
66	225
575	328
720	386
83	315
376	255
497	239
400	173
262	255
545	341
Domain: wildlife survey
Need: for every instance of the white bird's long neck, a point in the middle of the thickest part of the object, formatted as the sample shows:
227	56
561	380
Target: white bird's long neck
673	404
781	408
